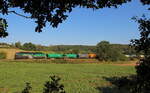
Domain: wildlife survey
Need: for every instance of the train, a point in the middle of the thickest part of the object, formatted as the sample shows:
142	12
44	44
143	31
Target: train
40	55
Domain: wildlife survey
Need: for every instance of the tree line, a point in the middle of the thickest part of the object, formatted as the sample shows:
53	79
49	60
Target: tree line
124	48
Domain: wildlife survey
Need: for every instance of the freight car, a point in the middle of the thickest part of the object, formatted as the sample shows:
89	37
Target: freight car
83	56
57	56
30	55
23	55
74	56
39	55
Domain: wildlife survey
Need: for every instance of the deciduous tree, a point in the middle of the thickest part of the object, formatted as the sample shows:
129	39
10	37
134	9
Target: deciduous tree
105	52
143	44
29	46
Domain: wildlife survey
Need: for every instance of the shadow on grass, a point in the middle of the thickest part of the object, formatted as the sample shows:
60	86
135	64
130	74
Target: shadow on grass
118	84
111	90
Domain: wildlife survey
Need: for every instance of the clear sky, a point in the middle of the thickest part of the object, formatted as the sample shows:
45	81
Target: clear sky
83	27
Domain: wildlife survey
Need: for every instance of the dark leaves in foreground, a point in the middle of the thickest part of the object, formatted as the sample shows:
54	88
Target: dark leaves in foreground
143	44
53	12
3	28
54	86
143	67
27	89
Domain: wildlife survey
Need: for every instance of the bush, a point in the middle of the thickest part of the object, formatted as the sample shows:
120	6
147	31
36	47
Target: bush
54	86
2	55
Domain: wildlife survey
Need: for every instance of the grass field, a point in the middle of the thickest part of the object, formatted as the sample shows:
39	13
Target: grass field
77	78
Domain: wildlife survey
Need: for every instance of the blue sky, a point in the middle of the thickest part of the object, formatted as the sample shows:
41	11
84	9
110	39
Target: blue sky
83	27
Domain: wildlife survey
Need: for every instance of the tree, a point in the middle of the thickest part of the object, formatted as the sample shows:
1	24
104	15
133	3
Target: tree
29	46
102	50
18	45
143	44
145	2
105	52
51	11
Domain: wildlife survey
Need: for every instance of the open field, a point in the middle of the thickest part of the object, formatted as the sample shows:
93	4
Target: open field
77	78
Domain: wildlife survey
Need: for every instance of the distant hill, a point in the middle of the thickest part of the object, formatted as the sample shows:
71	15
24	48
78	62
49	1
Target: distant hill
77	48
126	49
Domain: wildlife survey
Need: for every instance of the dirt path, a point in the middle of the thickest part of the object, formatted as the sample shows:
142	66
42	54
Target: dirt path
129	64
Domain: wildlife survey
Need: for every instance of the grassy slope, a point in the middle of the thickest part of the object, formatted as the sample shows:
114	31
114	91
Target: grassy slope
77	78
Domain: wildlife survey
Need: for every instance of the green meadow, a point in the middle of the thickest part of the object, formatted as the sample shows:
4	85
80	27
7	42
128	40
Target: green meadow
77	78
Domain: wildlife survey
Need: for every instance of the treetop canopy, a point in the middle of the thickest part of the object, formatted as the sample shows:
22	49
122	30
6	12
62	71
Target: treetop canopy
53	11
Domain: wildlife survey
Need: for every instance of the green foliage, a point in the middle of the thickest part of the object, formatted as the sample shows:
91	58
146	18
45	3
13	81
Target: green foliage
102	50
143	44
3	28
54	86
143	67
29	46
18	45
116	55
72	48
27	88
5	45
2	55
73	51
57	48
125	49
105	52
